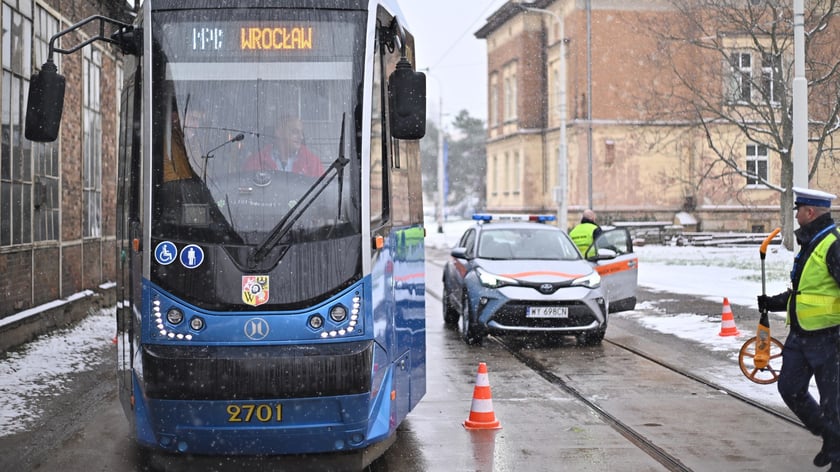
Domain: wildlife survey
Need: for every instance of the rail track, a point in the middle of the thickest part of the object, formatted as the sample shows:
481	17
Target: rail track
638	438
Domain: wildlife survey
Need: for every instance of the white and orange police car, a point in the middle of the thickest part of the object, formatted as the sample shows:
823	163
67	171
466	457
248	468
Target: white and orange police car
512	274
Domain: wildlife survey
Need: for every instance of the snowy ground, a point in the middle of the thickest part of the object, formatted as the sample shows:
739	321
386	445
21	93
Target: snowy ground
42	367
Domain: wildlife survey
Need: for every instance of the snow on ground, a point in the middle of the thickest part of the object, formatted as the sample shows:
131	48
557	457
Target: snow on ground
41	368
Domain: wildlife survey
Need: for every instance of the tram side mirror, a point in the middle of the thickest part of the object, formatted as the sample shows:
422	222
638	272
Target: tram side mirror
407	94
45	104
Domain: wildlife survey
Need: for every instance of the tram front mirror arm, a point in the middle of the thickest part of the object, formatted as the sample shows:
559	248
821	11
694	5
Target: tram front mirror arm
45	104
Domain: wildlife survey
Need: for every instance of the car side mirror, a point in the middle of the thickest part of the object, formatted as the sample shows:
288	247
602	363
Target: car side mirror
459	253
601	255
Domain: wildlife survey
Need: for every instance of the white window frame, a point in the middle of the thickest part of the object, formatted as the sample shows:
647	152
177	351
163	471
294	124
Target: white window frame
757	164
741	77
769	64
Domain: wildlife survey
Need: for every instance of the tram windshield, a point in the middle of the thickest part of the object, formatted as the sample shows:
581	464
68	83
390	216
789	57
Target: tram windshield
253	133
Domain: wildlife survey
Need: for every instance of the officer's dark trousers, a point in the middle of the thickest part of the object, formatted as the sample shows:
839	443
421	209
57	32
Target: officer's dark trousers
814	355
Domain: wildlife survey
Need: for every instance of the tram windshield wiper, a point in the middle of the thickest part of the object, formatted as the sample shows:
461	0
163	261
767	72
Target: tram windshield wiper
336	169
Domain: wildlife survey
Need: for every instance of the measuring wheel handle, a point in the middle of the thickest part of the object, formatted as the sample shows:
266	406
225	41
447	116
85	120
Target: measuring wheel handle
757	353
757	356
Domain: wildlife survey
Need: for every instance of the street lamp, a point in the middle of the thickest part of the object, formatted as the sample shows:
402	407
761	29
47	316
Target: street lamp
800	98
561	192
441	168
589	98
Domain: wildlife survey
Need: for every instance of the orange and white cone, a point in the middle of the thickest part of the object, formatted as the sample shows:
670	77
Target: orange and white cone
481	411
727	321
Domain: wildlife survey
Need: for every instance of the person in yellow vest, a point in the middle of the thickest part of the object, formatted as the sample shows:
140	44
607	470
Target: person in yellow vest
584	234
813	308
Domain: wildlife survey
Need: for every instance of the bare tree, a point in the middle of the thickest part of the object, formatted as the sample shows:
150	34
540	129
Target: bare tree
730	67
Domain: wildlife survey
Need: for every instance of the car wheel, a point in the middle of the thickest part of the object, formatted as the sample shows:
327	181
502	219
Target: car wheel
591	338
450	314
470	330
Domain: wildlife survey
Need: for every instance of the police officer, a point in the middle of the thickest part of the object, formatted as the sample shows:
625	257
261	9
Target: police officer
813	307
584	234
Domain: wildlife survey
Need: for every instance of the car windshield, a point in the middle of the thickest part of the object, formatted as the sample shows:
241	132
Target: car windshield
526	243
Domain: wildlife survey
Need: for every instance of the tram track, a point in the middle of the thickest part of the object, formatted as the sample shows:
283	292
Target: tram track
730	392
639	440
669	461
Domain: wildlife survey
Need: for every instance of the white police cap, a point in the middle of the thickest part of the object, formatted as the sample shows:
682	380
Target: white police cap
811	197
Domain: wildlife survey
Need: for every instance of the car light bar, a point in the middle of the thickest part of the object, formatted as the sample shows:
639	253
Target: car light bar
488	217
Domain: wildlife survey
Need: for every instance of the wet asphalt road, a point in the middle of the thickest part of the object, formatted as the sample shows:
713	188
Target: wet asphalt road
84	428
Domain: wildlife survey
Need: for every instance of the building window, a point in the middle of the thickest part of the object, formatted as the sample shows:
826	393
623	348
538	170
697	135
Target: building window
556	94
508	100
516	174
92	143
494	99
756	165
15	155
770	67
495	177
510	92
506	179
740	77
45	155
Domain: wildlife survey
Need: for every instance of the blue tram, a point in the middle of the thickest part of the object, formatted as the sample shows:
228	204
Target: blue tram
267	306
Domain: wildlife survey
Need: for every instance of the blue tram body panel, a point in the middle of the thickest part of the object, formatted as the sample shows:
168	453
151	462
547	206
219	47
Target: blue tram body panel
390	327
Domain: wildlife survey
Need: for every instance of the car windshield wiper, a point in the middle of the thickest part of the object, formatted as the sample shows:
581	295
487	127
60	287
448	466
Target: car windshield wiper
336	169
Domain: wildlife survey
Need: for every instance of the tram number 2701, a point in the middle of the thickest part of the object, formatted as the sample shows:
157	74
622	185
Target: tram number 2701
262	412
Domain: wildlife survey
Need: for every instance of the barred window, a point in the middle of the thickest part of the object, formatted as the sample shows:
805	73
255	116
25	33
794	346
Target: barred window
92	143
45	201
15	153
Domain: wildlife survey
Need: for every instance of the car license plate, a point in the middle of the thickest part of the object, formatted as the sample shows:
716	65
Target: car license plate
254	412
547	312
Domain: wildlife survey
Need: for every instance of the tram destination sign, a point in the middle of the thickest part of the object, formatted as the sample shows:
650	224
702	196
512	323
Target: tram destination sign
247	40
253	38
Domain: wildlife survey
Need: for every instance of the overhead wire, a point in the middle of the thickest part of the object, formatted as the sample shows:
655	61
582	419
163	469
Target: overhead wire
490	5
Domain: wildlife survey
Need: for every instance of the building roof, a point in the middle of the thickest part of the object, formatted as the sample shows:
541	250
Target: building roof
505	13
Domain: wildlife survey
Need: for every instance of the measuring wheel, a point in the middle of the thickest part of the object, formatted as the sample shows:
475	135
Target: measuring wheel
756	358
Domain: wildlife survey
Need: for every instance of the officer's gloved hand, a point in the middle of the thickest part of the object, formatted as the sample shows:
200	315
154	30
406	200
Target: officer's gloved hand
763	301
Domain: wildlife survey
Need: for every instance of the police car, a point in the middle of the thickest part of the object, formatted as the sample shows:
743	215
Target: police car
517	274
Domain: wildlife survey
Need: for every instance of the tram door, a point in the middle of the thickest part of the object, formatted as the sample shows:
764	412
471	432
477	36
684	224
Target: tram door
129	229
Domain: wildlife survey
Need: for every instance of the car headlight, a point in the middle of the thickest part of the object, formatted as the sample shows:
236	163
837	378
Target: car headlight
493	280
592	280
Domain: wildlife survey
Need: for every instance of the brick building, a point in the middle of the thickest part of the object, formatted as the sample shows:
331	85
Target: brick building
57	228
584	69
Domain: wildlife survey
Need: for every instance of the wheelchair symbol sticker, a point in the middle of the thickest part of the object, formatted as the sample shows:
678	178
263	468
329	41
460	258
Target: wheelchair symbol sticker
166	253
192	256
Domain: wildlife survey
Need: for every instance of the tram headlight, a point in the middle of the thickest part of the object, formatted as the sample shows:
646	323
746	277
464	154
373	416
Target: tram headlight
197	323
174	316
338	313
316	322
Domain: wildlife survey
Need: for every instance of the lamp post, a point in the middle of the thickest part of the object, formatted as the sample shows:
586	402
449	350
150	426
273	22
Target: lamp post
441	168
589	99
562	190
800	98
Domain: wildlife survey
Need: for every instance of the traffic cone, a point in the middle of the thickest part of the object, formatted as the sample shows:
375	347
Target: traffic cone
727	321
481	411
